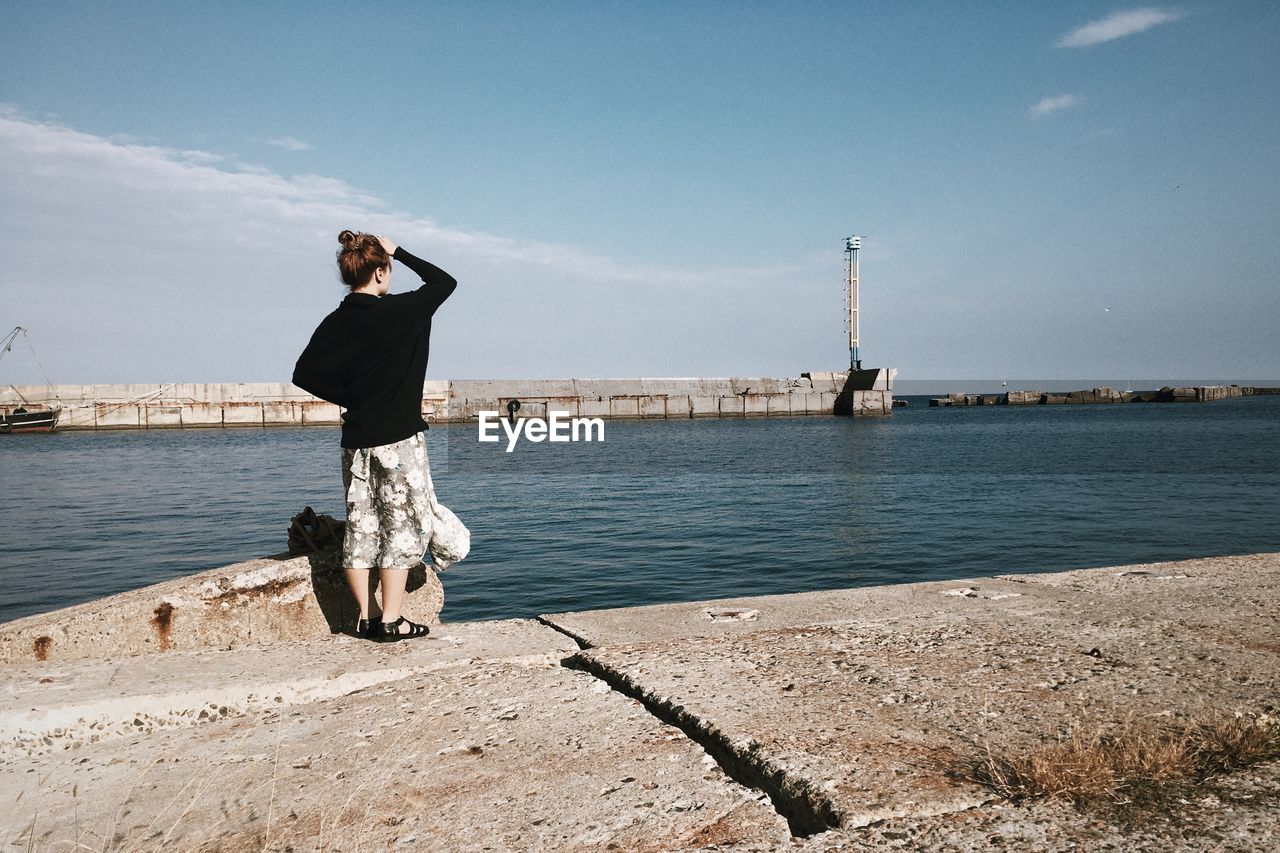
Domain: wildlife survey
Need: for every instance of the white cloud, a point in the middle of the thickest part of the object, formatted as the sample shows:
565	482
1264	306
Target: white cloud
1057	102
1118	25
236	193
289	143
154	263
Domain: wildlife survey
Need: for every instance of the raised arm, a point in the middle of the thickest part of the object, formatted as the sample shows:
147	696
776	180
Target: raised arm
436	283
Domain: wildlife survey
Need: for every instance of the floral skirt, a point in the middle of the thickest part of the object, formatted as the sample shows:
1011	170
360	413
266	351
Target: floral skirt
389	506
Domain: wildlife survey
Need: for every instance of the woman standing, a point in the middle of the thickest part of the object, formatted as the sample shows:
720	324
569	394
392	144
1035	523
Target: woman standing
369	356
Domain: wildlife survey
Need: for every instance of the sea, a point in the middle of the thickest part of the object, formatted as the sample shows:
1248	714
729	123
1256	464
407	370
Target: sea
671	510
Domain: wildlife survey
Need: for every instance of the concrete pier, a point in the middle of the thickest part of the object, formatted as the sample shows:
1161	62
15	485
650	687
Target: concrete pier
260	404
818	721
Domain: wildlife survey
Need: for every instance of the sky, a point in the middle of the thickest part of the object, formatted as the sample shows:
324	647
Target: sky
1048	190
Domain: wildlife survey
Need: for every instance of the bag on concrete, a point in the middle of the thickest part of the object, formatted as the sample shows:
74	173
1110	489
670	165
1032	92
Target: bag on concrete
314	534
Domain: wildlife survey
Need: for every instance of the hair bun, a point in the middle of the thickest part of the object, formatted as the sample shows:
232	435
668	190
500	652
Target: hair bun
360	256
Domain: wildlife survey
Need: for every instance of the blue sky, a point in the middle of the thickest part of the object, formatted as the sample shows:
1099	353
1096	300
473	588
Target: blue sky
648	189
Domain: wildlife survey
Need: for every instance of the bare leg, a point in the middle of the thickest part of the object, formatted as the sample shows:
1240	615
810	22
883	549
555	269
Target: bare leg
393	584
361	585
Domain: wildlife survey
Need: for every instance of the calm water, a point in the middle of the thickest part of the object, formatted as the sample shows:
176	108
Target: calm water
670	510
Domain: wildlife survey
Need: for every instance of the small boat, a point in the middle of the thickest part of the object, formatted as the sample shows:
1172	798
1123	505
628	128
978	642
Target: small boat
26	416
22	419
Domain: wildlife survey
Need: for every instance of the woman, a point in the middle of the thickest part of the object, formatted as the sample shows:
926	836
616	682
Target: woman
370	357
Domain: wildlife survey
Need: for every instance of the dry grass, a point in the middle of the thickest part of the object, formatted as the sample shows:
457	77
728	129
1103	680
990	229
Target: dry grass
1139	756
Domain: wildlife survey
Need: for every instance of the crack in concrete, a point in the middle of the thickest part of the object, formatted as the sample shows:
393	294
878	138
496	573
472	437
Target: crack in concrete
806	810
582	642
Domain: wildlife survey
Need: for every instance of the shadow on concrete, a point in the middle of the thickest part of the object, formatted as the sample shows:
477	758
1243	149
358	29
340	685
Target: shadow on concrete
846	402
332	594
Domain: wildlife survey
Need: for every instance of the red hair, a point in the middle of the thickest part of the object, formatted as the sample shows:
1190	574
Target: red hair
361	254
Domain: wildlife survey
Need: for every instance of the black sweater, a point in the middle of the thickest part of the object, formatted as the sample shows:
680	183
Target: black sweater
370	357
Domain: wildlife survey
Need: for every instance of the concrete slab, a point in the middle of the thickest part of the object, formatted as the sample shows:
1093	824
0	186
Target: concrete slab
278	413
77	417
704	406
732	406
160	417
758	404
678	406
591	407
1233	813
1231	600
624	407
563	404
734	616
858	719
242	414
855	725
781	404
117	416
652	407
1248	585
468	408
203	414
487	753
54	707
318	412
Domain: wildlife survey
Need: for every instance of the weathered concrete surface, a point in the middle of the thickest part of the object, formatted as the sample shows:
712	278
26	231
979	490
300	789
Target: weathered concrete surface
1228	814
851	706
271	599
474	739
1238	589
821	721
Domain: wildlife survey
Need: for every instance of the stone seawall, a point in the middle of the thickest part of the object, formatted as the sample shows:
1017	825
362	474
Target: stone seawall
1168	394
259	404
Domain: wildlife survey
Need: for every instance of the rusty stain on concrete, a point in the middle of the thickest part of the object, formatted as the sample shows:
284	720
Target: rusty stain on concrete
274	598
163	619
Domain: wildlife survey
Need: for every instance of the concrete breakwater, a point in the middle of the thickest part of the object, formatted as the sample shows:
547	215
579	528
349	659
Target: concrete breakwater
814	721
1168	394
266	600
177	405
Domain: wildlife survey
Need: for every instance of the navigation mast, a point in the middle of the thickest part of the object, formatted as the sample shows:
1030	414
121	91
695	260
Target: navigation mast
851	247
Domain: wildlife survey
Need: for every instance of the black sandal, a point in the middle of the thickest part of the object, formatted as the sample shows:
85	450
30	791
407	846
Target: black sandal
367	628
390	631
